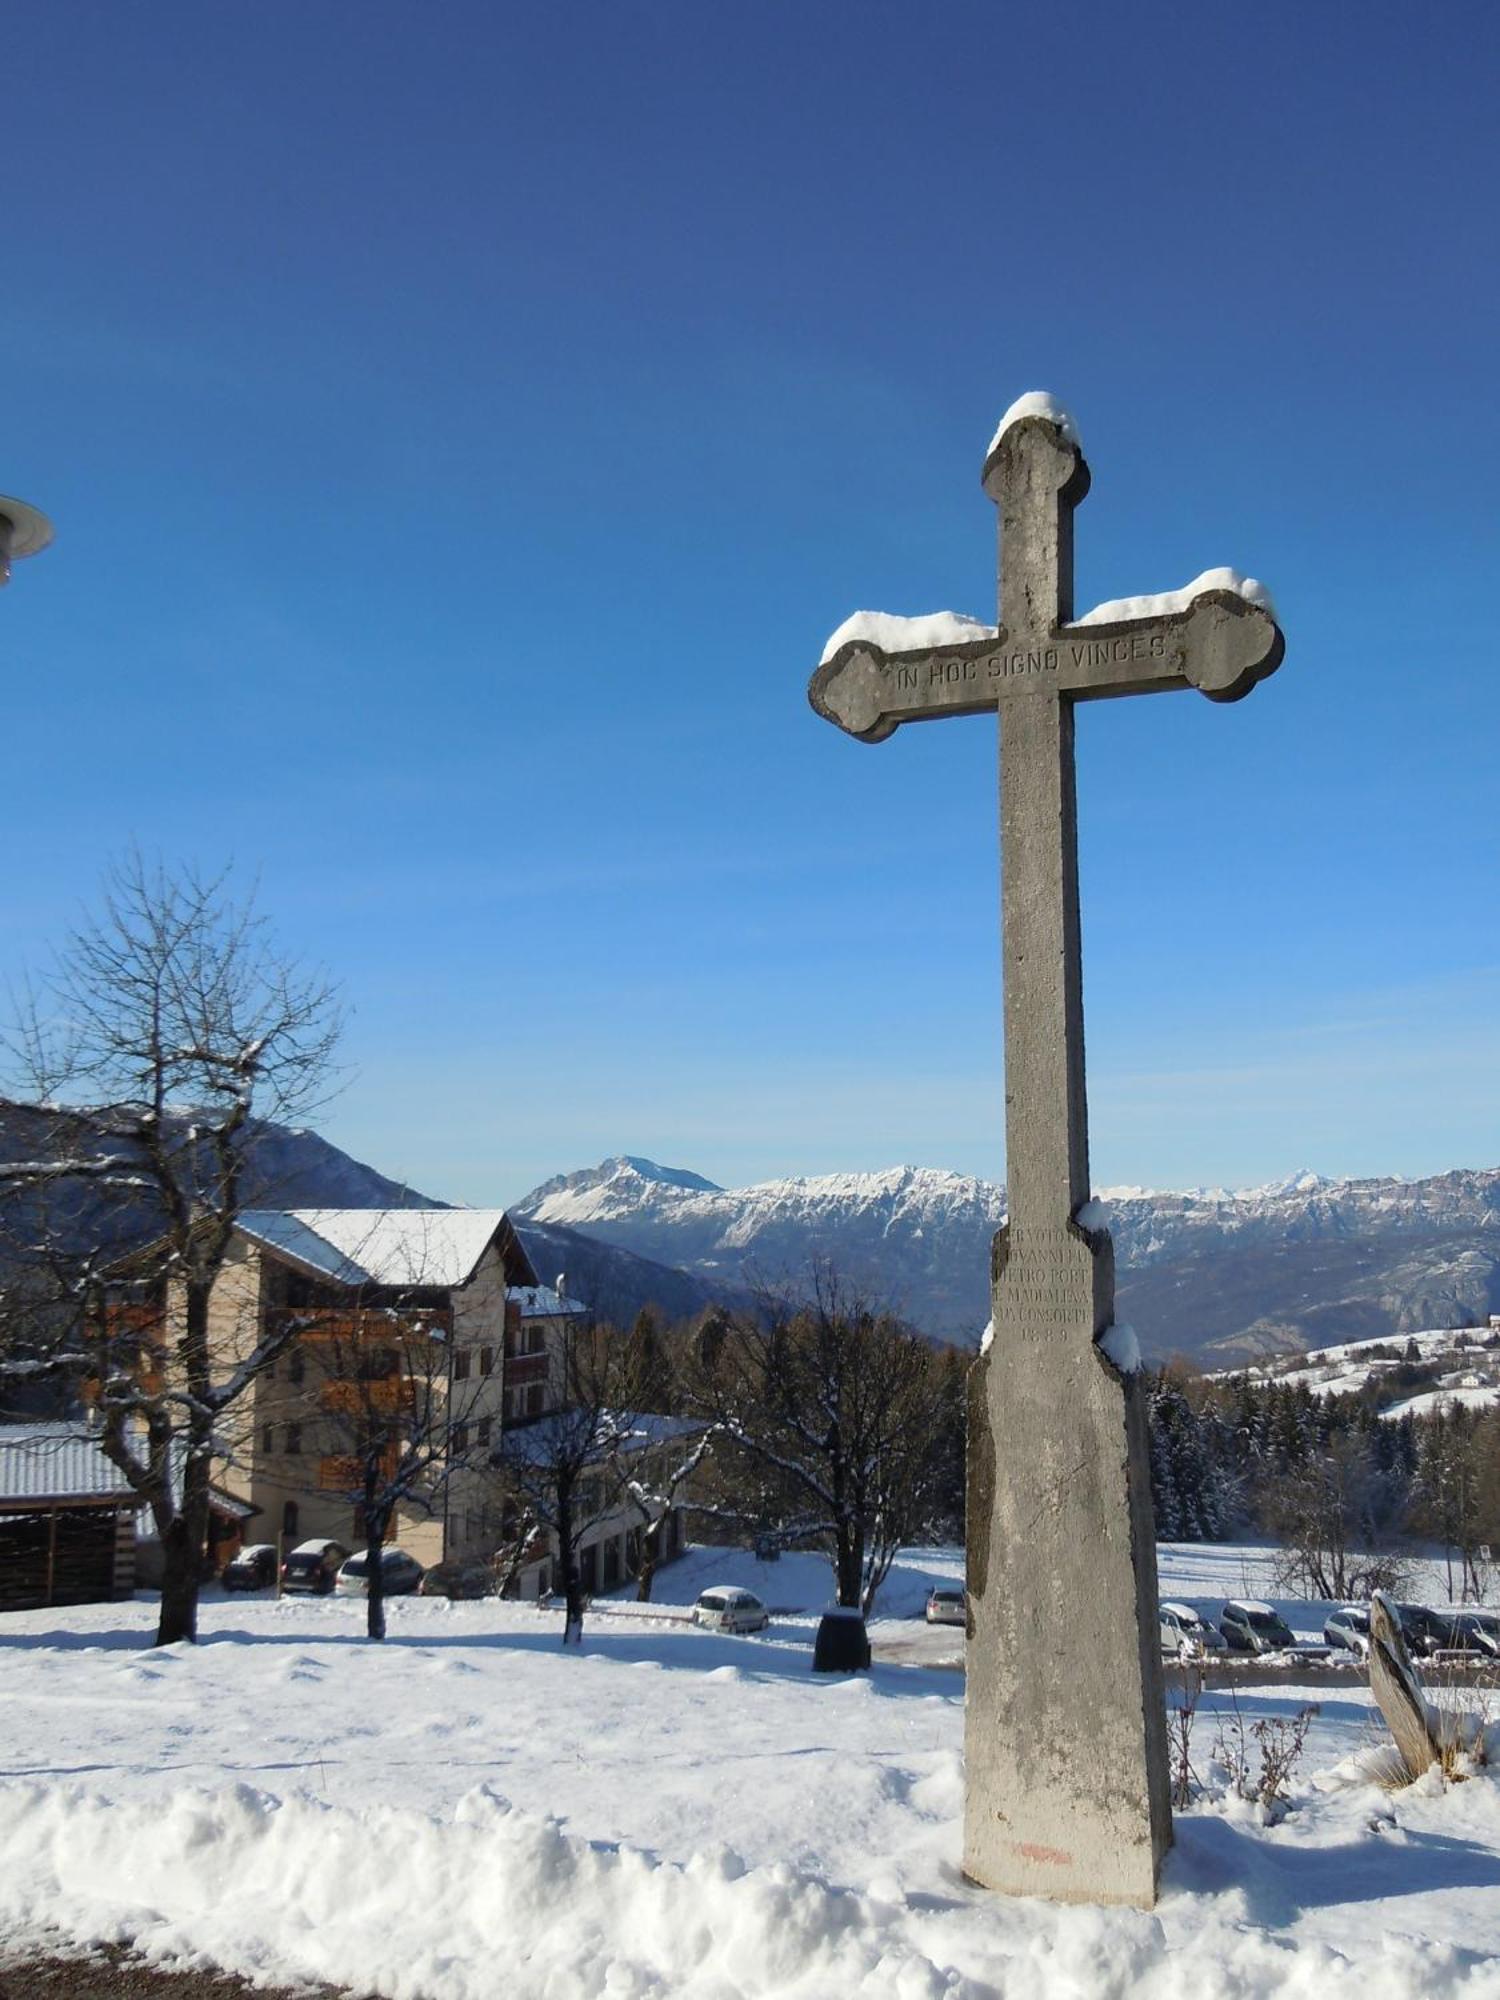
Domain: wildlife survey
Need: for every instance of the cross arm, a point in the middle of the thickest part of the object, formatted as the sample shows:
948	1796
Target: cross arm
869	691
1220	642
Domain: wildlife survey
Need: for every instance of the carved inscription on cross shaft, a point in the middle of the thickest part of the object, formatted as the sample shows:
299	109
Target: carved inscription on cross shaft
1048	1281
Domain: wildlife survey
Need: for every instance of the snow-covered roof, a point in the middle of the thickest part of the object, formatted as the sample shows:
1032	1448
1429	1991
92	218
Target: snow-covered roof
1173	1610
1252	1604
542	1302
380	1246
621	1433
56	1461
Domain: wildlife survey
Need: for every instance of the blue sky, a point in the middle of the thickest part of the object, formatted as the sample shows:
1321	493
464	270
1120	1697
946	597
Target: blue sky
464	424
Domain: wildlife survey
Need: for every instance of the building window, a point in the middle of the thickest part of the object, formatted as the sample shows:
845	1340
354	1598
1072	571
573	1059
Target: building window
268	1440
289	1520
459	1437
296	1367
482	1430
486	1360
536	1339
293	1439
460	1364
535	1399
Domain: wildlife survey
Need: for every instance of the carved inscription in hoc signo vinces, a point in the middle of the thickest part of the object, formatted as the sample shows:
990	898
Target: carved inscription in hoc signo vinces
1025	661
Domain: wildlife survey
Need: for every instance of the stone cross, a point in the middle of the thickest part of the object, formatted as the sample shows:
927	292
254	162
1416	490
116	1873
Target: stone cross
1066	1790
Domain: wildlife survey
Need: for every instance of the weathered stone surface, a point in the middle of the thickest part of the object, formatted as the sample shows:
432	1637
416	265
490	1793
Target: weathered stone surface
1065	1739
1397	1689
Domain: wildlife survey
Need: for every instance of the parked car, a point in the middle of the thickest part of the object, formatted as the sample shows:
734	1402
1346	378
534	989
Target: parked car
313	1565
457	1579
1252	1627
1475	1632
254	1568
1186	1636
400	1573
947	1606
1349	1628
724	1607
1423	1630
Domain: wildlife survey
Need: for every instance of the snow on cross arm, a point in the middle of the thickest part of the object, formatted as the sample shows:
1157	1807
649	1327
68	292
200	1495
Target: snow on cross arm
892	633
1167	603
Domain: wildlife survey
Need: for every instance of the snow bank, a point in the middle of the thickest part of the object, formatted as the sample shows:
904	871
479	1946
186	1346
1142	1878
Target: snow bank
1116	610
415	1907
419	1908
1037	403
894	634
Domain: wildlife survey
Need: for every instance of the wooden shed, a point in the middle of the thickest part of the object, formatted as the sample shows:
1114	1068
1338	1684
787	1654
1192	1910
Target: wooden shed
67	1519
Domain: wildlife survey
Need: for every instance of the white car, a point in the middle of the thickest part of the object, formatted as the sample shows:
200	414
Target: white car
947	1606
1186	1636
1348	1628
724	1607
400	1573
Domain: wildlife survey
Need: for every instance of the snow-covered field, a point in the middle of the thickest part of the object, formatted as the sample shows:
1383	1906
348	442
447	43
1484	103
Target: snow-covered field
469	1812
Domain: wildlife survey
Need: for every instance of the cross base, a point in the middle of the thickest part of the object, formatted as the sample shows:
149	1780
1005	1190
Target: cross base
1066	1789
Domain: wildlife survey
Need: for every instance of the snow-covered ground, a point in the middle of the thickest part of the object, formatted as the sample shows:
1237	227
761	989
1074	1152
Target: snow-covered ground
468	1811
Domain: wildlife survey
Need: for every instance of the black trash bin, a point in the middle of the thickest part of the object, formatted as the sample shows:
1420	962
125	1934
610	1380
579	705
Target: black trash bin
842	1645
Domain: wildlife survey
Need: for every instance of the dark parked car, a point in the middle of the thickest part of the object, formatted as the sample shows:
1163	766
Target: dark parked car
313	1565
1424	1631
457	1579
1251	1627
254	1568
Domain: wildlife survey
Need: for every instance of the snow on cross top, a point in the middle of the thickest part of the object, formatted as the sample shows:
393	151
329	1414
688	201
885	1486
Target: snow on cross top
1037	403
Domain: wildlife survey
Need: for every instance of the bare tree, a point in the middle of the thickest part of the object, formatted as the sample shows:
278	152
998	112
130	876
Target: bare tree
1338	1519
654	1473
558	1466
167	1025
842	1408
393	1421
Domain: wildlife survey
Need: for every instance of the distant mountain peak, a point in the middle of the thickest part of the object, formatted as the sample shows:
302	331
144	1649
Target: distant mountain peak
669	1176
622	1179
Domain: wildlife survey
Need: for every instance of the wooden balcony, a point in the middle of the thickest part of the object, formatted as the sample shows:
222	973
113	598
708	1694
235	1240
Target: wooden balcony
523	1368
370	1326
345	1472
352	1399
123	1320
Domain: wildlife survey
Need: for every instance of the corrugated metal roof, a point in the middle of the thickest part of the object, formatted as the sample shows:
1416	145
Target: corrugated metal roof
56	1461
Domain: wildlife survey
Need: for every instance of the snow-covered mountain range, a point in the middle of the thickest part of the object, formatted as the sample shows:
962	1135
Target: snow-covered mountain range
1301	1262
